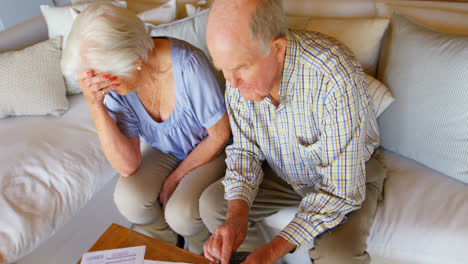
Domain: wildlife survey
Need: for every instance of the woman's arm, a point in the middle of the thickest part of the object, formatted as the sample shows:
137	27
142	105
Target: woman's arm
122	152
218	136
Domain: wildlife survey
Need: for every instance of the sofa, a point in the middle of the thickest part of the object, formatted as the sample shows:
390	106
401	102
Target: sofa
57	186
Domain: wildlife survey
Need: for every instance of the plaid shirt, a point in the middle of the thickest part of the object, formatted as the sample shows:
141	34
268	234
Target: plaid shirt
320	136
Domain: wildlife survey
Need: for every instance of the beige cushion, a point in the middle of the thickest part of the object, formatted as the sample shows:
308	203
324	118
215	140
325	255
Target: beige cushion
426	70
445	19
362	35
330	8
31	82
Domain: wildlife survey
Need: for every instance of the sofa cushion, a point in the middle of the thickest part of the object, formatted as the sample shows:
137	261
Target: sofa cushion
190	29
426	71
362	35
31	82
51	167
422	217
443	16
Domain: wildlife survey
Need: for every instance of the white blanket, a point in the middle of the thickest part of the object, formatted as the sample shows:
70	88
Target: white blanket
49	168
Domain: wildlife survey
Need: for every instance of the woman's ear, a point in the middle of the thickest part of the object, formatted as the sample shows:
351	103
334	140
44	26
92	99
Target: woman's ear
279	48
138	64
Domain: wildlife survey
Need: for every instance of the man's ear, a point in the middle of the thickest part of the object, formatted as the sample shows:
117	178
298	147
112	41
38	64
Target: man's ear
279	48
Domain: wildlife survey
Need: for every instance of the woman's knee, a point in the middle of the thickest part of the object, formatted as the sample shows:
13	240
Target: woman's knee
137	206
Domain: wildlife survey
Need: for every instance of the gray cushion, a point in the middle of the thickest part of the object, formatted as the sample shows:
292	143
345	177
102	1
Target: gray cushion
190	29
427	73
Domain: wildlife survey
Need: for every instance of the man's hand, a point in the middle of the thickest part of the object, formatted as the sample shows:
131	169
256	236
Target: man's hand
227	238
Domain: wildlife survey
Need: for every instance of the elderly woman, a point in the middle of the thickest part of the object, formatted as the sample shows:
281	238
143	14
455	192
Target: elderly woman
164	92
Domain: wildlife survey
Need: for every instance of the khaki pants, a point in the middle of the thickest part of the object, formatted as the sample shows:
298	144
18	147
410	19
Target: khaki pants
346	243
136	197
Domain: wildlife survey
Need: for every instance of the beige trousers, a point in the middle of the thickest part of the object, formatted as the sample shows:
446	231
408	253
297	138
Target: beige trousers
136	197
346	243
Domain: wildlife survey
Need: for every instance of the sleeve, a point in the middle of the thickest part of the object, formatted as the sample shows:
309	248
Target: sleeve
203	90
342	165
244	158
122	113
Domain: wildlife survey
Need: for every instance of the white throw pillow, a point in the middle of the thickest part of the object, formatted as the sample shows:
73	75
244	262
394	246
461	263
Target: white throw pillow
362	35
60	19
31	82
380	95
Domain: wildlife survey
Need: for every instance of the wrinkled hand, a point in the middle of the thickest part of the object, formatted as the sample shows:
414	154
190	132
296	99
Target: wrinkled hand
226	239
95	86
167	189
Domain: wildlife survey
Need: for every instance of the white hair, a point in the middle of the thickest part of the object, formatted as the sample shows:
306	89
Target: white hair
267	22
106	38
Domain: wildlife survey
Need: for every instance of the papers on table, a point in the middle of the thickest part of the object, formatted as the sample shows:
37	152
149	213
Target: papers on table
130	255
162	262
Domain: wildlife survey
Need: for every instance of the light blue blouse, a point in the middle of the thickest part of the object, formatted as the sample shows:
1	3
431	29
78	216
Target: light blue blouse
199	105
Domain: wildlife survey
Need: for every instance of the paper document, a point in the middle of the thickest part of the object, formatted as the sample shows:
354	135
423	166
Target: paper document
130	255
163	262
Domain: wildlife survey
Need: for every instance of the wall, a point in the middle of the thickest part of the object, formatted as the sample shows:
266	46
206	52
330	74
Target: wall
13	12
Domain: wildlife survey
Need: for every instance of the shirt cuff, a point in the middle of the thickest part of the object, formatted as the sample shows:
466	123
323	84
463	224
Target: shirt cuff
239	191
300	232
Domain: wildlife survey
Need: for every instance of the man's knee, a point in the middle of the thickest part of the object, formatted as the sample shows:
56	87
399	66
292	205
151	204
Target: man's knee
213	207
137	207
337	249
183	219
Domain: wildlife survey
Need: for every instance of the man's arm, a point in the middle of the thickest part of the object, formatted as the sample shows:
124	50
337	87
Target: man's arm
243	177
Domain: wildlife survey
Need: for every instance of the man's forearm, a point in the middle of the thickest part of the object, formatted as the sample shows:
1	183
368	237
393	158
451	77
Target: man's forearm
237	209
277	248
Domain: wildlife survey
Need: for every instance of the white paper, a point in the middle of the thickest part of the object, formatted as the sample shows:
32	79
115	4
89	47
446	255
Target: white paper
163	262
130	255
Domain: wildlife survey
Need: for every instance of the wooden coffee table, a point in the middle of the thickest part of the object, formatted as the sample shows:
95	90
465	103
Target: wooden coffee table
117	236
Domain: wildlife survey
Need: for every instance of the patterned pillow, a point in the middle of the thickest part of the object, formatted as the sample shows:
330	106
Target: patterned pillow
31	82
381	96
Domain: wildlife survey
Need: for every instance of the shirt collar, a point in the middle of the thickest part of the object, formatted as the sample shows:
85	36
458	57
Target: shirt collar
290	66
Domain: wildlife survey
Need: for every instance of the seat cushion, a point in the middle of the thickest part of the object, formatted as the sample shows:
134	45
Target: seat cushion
423	216
50	168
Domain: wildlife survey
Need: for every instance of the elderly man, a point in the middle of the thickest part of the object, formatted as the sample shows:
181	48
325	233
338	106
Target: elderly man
304	134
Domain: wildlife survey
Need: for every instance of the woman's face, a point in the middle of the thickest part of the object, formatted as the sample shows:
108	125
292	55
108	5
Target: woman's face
124	85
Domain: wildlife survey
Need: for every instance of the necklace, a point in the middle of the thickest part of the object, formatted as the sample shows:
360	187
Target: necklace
155	82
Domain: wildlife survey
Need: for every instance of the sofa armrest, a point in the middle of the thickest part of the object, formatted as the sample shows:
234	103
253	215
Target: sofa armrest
24	34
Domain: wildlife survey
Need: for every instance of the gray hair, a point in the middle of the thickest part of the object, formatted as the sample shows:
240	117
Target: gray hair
268	22
106	38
